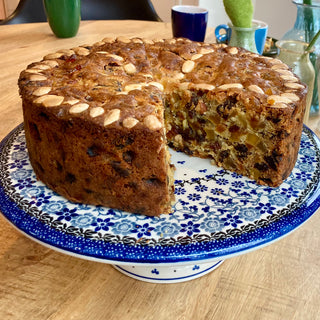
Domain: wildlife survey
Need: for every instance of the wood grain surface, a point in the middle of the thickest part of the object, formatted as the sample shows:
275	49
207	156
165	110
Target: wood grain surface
280	281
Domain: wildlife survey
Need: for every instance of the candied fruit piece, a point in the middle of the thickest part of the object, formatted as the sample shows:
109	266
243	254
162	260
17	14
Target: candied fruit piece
221	128
252	139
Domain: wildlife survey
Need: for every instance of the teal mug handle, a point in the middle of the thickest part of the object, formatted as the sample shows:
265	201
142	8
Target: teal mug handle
223	37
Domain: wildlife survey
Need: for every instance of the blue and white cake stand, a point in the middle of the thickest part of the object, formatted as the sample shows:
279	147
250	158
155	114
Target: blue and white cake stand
217	215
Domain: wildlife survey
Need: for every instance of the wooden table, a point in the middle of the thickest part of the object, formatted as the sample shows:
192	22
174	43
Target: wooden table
280	281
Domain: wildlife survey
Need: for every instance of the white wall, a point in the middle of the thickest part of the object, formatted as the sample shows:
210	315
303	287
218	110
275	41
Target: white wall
163	7
279	14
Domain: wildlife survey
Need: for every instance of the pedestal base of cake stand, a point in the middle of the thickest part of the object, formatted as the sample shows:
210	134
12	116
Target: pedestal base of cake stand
168	274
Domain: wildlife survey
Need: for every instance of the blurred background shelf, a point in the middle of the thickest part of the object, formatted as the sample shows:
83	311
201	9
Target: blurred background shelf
280	15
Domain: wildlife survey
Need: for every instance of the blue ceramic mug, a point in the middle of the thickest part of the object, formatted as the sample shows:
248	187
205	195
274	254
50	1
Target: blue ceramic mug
260	34
189	22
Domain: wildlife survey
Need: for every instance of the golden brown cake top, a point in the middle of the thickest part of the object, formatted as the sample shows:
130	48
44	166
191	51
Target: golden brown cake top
121	81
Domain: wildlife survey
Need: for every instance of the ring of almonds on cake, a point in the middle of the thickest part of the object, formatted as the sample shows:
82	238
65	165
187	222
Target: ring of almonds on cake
99	118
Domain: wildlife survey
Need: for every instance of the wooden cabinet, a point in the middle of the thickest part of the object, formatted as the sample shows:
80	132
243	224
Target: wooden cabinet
7	7
2	10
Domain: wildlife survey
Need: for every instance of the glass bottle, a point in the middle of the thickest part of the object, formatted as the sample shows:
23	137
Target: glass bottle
294	54
305	27
63	16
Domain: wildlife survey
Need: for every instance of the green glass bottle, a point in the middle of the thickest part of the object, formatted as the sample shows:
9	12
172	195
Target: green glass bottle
63	16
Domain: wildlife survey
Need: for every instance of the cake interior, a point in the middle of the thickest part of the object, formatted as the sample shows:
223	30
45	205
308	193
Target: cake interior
234	136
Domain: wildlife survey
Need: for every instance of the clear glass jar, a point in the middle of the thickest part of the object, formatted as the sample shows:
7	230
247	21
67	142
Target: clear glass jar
305	28
294	54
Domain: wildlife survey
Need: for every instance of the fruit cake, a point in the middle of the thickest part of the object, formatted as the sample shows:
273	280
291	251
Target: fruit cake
99	118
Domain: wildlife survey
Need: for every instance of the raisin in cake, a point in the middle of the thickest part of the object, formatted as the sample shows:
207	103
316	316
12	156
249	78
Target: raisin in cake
98	118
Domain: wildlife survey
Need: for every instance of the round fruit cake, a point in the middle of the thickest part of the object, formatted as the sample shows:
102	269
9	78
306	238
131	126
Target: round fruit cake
98	119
